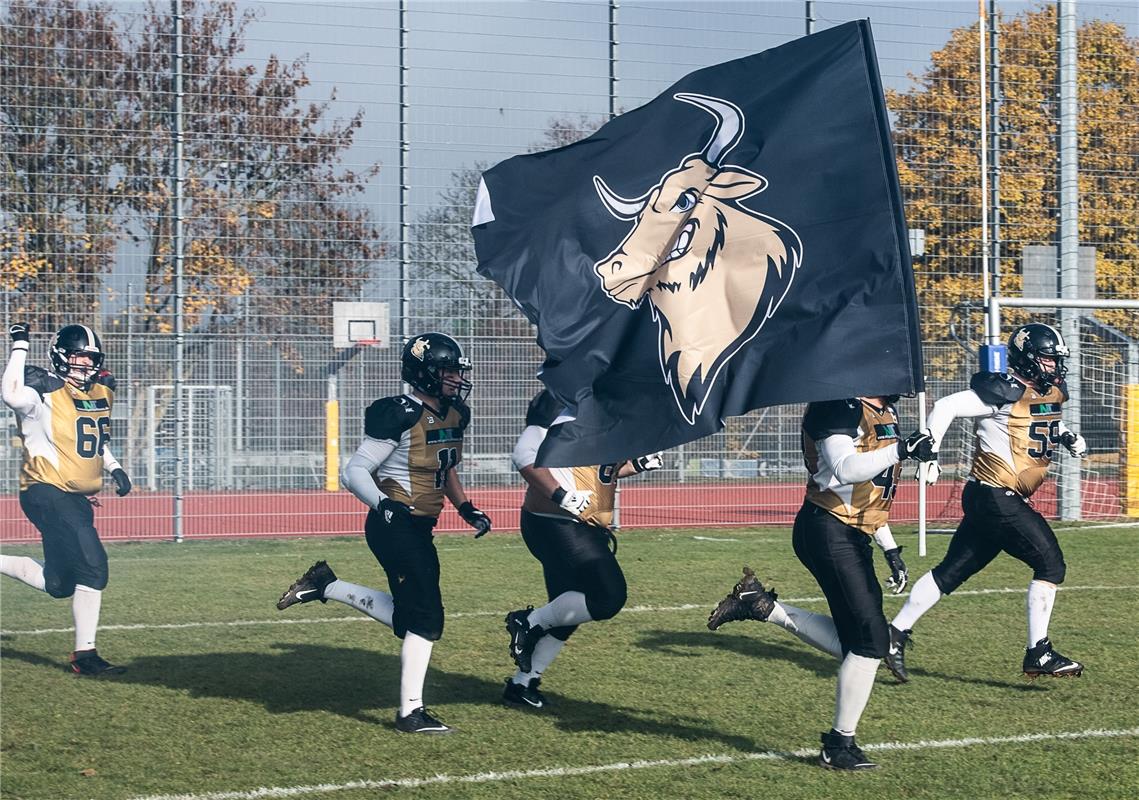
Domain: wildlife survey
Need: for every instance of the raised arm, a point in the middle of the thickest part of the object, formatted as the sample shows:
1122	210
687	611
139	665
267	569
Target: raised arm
18	396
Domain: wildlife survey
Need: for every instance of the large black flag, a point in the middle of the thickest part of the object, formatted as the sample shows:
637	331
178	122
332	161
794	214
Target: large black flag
738	242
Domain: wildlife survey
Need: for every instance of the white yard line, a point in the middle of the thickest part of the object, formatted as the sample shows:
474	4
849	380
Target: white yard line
624	766
245	623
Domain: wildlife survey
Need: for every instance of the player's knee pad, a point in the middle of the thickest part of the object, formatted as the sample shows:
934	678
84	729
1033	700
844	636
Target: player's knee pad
1053	570
57	586
947	578
428	626
563	633
873	640
606	592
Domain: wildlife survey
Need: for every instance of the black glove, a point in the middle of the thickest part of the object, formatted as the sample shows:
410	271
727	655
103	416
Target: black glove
475	518
899	576
18	331
918	445
391	509
122	482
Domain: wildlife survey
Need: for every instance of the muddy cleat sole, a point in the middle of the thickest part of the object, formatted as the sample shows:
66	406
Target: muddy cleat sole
895	659
747	600
841	753
308	587
523	695
421	721
1043	659
91	664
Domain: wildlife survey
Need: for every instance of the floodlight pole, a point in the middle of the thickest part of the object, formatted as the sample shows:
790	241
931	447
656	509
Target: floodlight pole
179	282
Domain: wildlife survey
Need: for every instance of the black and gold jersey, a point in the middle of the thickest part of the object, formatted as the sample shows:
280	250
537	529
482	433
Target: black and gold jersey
601	480
64	434
428	445
1015	444
864	505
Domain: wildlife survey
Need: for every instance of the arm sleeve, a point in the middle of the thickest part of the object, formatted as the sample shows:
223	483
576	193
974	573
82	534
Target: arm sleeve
110	464
961	404
884	538
526	450
848	465
17	395
363	464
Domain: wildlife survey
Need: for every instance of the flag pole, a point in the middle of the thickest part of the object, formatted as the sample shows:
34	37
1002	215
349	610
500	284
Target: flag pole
921	483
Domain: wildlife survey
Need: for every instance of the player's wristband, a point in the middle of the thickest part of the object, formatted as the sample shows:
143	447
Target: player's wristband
558	495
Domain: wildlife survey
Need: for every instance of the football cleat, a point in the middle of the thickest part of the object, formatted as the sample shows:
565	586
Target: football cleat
420	721
523	637
840	752
523	695
747	600
1043	660
309	586
89	662
896	656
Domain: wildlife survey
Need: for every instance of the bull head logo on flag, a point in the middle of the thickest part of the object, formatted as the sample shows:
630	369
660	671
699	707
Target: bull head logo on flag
712	269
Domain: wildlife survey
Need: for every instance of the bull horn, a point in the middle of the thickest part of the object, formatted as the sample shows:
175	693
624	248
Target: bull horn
619	206
729	124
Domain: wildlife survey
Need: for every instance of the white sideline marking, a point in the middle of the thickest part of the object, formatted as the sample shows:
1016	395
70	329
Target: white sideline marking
622	766
713	539
244	623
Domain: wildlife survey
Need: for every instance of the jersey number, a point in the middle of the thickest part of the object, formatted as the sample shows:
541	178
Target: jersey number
1044	433
885	481
448	458
92	435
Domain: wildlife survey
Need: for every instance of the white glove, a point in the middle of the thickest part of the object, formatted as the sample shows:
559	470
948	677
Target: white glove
1074	443
649	463
929	472
575	502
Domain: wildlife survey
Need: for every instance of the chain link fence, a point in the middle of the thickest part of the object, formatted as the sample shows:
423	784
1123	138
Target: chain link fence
305	185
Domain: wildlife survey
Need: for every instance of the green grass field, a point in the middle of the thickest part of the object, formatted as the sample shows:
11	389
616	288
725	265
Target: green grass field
226	695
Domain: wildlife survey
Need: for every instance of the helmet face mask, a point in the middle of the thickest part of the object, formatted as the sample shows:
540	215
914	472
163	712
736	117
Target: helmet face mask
72	342
1031	347
434	364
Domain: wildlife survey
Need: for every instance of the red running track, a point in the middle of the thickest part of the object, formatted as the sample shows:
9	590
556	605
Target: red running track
316	513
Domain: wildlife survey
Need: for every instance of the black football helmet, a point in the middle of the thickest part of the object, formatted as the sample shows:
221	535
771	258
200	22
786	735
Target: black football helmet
1028	344
77	340
423	359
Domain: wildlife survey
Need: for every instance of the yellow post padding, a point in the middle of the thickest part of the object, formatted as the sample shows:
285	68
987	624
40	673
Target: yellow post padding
1131	450
332	446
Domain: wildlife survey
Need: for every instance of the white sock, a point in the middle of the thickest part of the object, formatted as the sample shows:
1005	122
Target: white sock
545	652
855	680
376	604
1041	596
568	608
413	660
817	630
22	568
923	597
85	605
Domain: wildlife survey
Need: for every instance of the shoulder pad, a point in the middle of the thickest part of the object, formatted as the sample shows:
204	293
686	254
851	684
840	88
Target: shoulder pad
389	417
41	380
543	410
464	413
1063	387
995	388
107	379
832	417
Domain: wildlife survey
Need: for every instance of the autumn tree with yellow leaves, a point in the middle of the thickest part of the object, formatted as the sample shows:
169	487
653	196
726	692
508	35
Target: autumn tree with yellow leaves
936	134
272	233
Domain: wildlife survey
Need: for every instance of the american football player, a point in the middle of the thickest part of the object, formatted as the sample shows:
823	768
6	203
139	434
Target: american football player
1017	424
64	421
853	451
566	523
401	471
